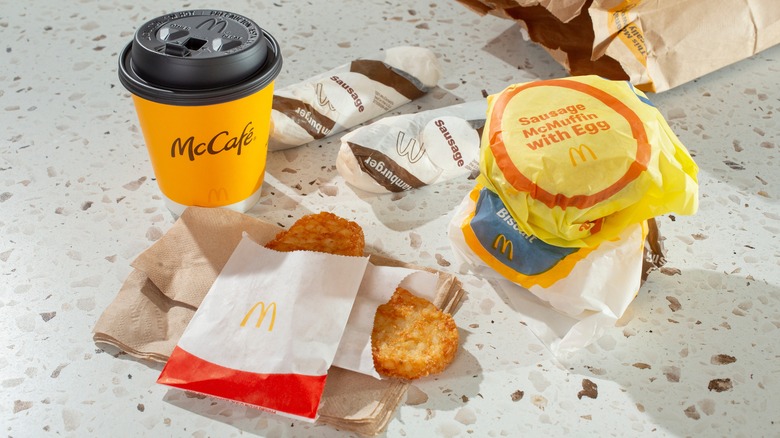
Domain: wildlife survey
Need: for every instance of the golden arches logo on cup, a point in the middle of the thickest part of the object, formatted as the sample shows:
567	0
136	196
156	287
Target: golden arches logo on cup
202	85
218	196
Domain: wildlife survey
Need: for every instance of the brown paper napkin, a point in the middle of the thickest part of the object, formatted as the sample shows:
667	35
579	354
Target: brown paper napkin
170	279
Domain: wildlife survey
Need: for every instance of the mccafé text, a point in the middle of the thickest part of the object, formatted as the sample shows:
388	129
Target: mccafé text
220	142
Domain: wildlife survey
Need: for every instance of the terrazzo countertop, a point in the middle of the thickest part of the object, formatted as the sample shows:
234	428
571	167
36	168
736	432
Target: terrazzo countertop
697	353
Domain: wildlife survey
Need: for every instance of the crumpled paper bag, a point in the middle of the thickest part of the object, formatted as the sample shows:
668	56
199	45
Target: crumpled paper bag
170	279
655	45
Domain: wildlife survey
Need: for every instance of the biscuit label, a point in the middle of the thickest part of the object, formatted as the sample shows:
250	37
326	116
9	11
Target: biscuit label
498	233
493	234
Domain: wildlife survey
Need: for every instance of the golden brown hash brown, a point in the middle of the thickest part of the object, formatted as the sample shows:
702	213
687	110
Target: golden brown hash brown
323	232
412	338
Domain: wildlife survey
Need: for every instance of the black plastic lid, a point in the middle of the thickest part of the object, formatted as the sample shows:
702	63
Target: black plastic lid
199	57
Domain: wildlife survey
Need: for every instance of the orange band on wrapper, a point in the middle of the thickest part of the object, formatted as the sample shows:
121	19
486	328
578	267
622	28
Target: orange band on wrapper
519	181
577	160
211	155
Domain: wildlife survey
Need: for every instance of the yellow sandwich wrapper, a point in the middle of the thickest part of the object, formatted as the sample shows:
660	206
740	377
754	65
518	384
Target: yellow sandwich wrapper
572	174
577	160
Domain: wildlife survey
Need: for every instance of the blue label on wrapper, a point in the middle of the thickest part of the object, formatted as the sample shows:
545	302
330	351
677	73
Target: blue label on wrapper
498	233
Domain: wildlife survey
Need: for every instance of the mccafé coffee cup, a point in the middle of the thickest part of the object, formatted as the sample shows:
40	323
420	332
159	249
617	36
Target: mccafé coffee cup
202	85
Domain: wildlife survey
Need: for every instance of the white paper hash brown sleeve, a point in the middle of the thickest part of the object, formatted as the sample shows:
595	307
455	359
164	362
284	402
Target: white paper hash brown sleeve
309	313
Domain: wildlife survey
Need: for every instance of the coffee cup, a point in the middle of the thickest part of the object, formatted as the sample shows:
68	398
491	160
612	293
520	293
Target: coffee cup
202	86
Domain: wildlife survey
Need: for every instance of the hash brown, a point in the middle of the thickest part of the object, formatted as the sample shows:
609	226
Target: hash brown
412	338
322	232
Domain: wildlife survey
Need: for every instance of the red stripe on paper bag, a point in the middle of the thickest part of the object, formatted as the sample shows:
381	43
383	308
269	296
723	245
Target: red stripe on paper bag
294	394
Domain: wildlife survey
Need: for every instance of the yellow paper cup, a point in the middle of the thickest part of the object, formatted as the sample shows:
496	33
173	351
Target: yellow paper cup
202	85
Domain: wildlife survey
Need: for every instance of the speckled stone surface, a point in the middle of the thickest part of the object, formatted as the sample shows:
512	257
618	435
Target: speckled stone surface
696	355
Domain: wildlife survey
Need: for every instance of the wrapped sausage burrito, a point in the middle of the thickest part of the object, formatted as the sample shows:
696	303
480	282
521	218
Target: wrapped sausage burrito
408	151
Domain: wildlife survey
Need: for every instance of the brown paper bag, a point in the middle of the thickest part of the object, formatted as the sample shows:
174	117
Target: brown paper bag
170	279
655	45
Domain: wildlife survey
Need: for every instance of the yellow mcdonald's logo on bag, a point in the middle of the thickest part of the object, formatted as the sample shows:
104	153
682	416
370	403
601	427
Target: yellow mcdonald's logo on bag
263	312
580	151
507	248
